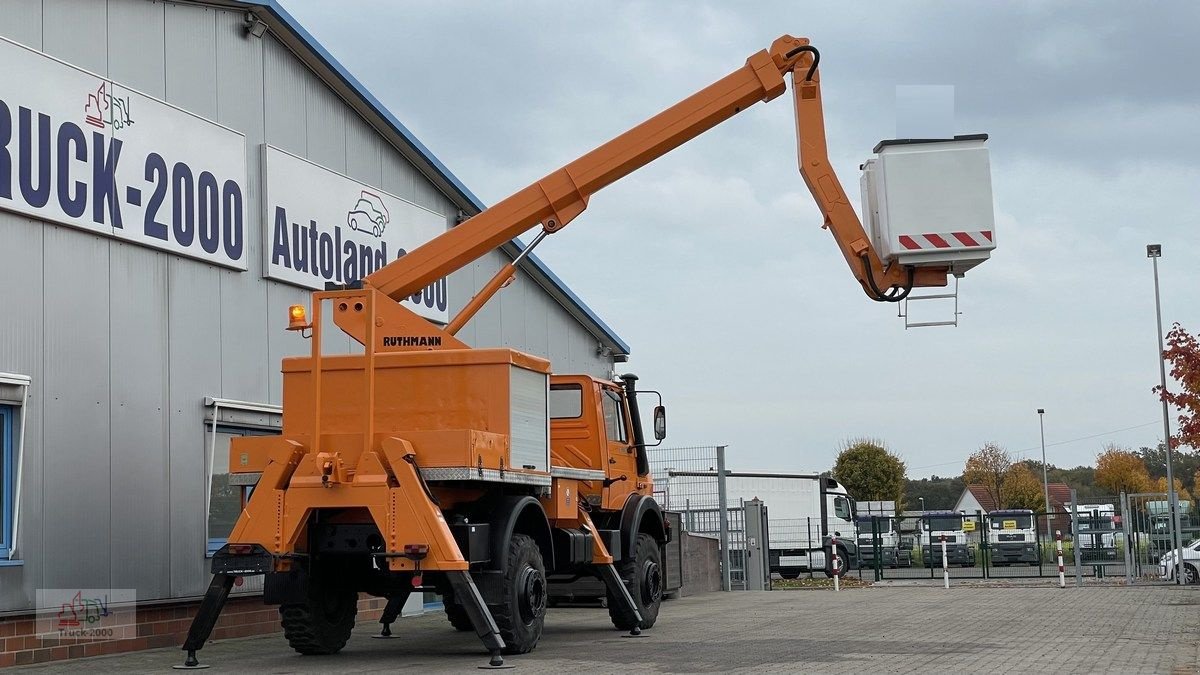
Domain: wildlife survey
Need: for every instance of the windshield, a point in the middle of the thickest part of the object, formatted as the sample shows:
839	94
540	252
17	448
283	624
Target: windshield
943	523
865	524
1012	522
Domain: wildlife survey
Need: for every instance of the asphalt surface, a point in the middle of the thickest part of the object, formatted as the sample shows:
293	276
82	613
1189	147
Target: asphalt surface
889	628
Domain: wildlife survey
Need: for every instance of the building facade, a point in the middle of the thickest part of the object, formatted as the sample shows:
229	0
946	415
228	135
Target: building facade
225	140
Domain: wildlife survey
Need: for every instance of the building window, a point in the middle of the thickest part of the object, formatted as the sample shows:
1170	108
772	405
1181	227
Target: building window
225	501
8	480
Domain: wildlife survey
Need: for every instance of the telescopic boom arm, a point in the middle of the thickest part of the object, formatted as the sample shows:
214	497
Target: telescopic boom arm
558	198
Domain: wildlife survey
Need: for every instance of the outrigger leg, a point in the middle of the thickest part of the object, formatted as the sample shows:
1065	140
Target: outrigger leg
468	595
205	619
609	575
391	612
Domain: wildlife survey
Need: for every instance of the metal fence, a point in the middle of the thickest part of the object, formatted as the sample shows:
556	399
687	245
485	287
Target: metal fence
691	480
1118	537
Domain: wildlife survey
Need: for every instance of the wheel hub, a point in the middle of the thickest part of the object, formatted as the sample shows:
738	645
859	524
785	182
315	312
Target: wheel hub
651	582
531	595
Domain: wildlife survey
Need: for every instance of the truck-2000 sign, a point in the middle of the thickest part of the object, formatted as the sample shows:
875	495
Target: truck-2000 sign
81	150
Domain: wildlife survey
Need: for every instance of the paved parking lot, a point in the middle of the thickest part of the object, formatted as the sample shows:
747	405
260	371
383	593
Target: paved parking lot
883	629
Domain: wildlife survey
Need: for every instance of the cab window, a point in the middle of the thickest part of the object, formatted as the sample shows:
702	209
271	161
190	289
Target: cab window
614	418
566	401
841	508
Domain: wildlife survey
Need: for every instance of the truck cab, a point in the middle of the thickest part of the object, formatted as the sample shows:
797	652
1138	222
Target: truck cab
1012	537
949	524
877	519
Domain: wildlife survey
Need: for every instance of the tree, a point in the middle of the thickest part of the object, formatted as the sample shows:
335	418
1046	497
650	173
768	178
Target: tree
933	493
870	472
1183	352
1023	489
1120	470
1181	492
988	467
1184	464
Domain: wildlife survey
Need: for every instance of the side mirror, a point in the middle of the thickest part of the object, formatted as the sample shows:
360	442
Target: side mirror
660	422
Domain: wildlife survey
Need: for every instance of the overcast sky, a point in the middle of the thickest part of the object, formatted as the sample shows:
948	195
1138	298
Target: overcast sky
711	262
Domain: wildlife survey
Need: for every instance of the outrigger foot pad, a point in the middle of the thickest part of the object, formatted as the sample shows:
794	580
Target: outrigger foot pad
191	662
496	662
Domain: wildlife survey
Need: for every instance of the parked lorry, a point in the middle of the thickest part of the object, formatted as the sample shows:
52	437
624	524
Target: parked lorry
1097	533
951	527
1012	537
1159	516
423	464
876	520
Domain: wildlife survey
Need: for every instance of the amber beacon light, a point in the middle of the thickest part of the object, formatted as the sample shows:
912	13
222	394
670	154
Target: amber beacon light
298	318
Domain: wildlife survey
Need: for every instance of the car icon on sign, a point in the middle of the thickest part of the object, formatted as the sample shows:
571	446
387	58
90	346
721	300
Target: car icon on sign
368	215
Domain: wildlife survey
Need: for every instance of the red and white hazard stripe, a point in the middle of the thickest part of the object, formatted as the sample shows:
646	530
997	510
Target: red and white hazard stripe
946	240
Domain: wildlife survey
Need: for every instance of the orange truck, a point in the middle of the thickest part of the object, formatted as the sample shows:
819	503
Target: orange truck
419	463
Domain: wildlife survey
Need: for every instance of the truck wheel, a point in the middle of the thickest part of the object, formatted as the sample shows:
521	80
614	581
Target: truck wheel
789	575
323	623
523	614
458	615
642	575
843	564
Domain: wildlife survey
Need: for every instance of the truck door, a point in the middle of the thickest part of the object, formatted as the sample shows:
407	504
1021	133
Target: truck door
620	452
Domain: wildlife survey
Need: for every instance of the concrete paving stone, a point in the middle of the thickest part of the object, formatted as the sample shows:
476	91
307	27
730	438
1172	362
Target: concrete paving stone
893	629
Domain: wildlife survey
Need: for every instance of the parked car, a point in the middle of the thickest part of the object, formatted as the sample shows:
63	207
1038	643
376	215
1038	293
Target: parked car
1167	565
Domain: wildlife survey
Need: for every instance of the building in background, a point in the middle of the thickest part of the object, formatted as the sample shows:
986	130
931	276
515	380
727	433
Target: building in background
174	175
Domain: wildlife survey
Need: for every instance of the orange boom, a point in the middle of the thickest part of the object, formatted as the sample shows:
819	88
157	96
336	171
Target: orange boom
478	474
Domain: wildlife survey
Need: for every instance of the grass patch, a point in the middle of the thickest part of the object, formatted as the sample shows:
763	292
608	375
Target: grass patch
816	582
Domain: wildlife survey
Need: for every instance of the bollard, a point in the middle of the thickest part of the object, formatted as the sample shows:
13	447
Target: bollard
837	564
945	568
1062	579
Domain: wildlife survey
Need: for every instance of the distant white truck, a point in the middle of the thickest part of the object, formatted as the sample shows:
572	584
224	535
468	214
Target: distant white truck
1012	537
878	517
1097	533
953	526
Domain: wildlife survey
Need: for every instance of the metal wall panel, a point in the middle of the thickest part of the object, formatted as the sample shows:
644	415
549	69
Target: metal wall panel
23	22
191	59
76	32
537	307
194	336
399	177
136	44
364	151
76	490
245	363
512	303
21	352
285	84
281	342
139	469
325	120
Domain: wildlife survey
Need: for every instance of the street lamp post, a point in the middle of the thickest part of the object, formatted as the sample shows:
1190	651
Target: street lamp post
1045	474
1154	252
922	500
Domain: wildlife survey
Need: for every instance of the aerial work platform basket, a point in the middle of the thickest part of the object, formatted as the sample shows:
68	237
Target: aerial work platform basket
928	203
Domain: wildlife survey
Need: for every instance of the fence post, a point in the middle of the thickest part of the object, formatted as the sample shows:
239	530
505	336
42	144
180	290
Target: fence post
1075	537
1126	539
836	563
722	507
808	522
945	569
1062	579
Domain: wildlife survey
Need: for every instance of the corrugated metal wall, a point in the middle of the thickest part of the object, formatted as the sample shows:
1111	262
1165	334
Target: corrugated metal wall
123	343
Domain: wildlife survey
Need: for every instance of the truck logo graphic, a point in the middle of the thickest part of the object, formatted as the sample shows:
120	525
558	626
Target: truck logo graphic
369	214
103	108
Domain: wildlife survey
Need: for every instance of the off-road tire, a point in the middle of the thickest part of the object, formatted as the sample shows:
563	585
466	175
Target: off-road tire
458	615
523	615
642	576
322	624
